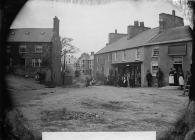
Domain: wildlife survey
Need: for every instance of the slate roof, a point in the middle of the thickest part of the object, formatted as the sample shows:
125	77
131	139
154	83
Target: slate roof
30	35
173	34
149	37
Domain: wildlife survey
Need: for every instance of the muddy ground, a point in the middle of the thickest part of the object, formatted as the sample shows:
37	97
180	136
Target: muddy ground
97	108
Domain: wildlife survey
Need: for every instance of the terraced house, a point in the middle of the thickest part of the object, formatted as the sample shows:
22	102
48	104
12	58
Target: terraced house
32	50
143	48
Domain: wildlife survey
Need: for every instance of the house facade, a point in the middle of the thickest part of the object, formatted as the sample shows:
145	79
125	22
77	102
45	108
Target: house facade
32	50
143	48
85	64
70	61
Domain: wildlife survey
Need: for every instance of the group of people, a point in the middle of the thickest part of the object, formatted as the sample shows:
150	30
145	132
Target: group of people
89	81
126	80
177	78
159	78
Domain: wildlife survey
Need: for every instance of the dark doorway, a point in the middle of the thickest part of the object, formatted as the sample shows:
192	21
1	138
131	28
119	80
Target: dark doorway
177	67
134	69
22	61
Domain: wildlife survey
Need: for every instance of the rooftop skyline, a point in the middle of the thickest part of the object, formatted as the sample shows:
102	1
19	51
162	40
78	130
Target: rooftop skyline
89	25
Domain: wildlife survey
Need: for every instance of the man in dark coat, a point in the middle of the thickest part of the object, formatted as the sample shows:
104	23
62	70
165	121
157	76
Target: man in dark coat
149	78
159	76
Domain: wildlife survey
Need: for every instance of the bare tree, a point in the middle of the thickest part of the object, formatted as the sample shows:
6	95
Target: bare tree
67	48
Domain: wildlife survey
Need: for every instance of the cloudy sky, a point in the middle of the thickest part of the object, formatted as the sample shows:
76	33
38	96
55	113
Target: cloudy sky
89	24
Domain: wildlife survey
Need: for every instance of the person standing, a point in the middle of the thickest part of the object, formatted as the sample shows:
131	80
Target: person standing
149	78
159	76
171	77
181	79
187	82
175	74
128	79
187	78
133	79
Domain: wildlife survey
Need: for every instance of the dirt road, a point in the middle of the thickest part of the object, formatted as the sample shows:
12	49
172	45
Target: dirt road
97	108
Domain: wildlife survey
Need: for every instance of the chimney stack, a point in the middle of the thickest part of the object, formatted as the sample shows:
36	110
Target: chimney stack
141	24
115	31
92	53
136	23
173	12
56	25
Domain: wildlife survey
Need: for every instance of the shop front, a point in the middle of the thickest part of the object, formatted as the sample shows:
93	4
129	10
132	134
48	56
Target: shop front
131	71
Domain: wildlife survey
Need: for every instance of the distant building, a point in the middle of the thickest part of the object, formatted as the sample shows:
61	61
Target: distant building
142	49
70	61
31	50
85	63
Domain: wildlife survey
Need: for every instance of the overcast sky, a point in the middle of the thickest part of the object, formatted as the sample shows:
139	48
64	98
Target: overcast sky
89	25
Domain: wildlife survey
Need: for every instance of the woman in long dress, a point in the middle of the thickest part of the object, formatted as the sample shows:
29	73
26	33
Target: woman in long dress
171	77
181	79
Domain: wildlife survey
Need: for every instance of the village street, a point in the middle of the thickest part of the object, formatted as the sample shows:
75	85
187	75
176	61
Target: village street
97	108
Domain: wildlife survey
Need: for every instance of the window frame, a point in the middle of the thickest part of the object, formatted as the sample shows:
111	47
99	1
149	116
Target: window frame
22	47
137	54
153	50
115	56
123	56
38	47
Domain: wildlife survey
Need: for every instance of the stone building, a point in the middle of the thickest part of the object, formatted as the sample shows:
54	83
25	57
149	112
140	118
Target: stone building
143	48
85	63
32	50
70	61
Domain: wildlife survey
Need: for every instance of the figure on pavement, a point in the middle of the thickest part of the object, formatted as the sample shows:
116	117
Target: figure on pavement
149	78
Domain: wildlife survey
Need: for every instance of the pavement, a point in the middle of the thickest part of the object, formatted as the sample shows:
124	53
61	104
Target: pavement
96	108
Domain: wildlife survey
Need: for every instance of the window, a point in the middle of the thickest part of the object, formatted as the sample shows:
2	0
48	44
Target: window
154	67
22	49
33	62
108	57
123	55
155	52
36	62
115	56
97	59
38	49
177	60
39	62
137	54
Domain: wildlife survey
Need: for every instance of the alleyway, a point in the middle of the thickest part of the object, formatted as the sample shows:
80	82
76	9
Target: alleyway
97	108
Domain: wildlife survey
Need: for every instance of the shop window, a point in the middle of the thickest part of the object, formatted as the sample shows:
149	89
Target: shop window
22	49
33	62
38	49
155	52
39	62
36	62
154	67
